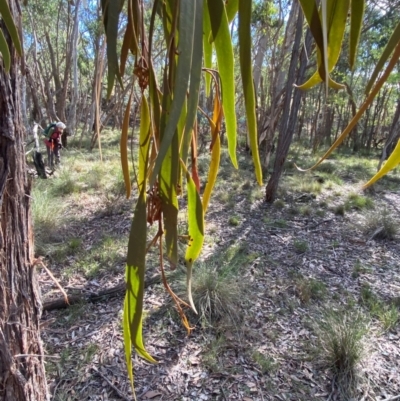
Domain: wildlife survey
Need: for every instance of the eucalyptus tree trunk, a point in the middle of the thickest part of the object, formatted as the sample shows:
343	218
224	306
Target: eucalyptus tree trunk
56	77
393	136
94	109
354	131
261	47
71	124
277	76
291	105
22	374
34	78
36	110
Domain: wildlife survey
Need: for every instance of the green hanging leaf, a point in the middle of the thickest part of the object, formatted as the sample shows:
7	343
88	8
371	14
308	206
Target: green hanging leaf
316	79
187	11
392	43
224	50
130	38
247	79
181	126
12	29
195	80
128	344
323	68
168	182
337	14
391	163
231	7
124	148
135	269
125	48
5	51
144	143
215	124
332	27
195	221
207	47
212	172
195	229
357	15
310	11
111	12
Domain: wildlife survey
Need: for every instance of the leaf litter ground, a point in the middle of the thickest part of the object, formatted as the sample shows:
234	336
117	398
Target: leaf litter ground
298	257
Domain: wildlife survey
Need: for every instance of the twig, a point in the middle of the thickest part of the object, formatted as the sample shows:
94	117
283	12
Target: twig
118	290
321	222
333	390
40	262
222	390
36	355
119	392
396	397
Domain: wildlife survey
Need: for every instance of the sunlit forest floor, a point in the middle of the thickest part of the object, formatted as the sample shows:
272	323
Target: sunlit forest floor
298	300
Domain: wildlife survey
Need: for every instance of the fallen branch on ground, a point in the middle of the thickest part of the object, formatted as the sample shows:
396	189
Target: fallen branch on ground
118	290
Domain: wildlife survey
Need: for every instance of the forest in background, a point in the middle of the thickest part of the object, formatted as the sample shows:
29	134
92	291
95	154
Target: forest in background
66	65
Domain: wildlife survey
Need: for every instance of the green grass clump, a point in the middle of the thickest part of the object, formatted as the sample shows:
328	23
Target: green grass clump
300	246
339	210
217	294
309	185
306	210
233	221
280	223
388	315
358	269
48	217
211	358
267	364
331	181
358	202
279	203
310	289
340	347
327	167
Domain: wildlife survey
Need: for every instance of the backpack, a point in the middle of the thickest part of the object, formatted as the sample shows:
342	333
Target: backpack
48	129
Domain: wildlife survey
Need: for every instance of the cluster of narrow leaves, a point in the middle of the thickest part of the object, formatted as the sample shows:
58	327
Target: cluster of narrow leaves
327	24
194	30
12	31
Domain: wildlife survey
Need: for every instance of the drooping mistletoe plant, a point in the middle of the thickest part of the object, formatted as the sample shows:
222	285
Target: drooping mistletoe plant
196	32
167	149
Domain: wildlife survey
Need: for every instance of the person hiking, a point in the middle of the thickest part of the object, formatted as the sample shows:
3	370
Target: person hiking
53	142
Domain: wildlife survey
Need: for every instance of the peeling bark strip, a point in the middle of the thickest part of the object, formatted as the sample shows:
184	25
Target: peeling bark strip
20	378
